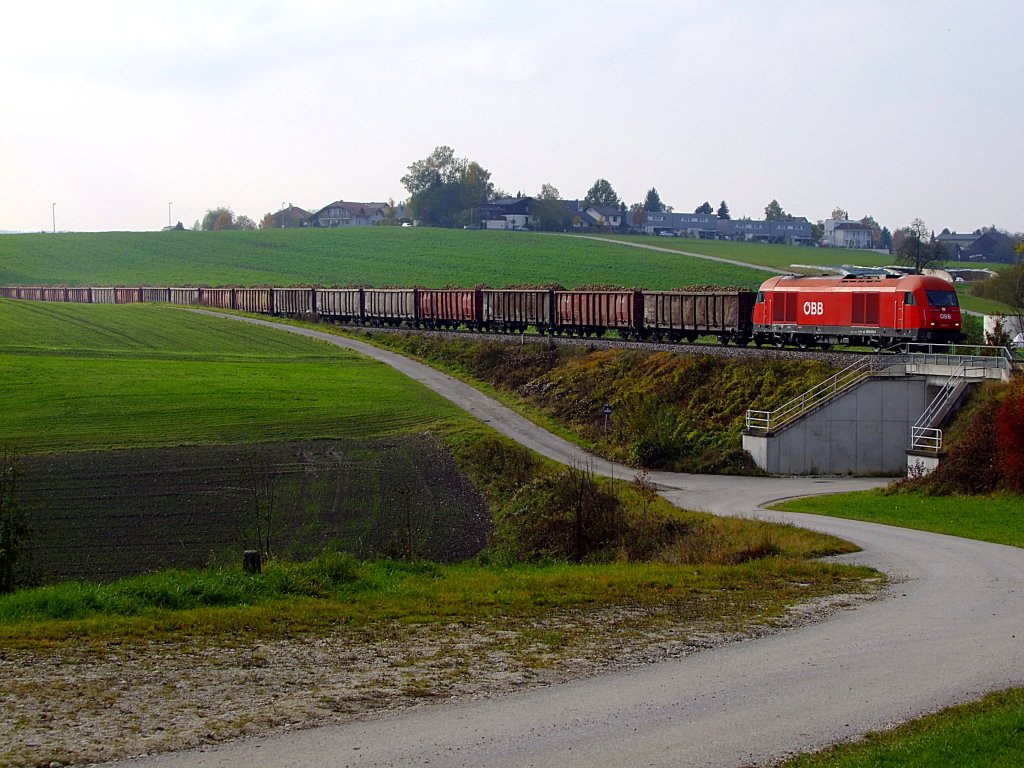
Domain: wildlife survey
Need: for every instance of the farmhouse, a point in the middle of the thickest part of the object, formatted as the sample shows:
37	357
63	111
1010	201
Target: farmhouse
842	233
507	213
342	214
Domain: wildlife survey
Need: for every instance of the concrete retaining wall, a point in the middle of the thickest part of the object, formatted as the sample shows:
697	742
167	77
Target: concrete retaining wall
863	432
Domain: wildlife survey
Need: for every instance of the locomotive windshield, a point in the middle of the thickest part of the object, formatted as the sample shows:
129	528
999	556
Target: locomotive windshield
942	298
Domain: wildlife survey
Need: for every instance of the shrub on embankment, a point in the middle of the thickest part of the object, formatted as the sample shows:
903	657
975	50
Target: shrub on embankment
669	410
985	446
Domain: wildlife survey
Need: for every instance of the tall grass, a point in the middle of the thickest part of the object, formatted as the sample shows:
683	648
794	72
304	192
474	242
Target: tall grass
175	590
333	589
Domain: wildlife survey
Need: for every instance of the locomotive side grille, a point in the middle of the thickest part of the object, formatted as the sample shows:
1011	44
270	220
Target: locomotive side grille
784	308
865	308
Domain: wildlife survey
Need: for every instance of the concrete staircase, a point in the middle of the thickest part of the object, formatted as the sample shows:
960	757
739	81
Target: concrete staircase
880	416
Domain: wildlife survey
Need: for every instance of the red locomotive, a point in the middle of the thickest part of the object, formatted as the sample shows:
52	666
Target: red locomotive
876	310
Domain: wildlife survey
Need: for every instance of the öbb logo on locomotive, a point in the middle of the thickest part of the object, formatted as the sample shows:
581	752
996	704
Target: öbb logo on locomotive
872	310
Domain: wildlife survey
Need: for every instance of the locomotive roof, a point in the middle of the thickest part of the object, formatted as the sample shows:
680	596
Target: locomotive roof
854	282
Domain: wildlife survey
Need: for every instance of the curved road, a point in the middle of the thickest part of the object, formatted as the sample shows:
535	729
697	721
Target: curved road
950	628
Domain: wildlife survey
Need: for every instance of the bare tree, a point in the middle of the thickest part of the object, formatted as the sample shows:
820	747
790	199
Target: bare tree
264	477
916	247
13	528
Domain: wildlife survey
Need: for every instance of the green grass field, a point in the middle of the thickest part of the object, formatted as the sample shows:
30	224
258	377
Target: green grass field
378	256
999	519
784	257
79	377
391	256
987	733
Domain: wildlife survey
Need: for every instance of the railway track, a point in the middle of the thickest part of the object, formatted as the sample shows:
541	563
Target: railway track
836	357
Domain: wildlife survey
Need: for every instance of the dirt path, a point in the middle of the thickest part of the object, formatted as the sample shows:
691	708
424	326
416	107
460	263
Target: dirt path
950	628
719	259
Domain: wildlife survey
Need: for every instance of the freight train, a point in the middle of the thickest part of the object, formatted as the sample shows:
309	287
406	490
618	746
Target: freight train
788	310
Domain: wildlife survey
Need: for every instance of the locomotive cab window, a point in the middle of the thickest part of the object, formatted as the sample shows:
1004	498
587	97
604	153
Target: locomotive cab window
760	297
908	299
942	298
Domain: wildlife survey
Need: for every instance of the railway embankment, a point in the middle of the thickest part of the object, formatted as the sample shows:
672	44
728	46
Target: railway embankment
677	408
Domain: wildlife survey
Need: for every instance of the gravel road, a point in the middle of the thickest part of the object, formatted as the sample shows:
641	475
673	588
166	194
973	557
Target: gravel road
950	628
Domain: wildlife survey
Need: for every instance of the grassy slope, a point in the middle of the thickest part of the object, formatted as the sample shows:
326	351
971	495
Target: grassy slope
104	376
368	256
143	375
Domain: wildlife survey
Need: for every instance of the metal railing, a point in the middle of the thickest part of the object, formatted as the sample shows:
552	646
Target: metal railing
924	436
966	362
928	439
833	386
954	354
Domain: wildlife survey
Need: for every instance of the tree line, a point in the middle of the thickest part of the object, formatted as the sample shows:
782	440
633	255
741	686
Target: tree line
448	191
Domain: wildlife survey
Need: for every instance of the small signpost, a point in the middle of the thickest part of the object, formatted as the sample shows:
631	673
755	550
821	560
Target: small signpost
607	412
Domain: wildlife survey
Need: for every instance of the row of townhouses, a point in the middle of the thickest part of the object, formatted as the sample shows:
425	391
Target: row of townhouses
517	213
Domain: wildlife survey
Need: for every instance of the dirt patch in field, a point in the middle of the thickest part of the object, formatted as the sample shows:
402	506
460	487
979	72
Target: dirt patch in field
106	515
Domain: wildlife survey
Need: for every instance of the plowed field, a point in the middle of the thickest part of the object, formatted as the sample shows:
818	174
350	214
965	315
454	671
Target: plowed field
105	515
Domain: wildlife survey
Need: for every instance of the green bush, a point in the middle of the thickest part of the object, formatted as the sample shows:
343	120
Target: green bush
565	515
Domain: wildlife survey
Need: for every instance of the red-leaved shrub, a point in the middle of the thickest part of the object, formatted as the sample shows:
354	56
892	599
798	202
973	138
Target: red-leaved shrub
1009	424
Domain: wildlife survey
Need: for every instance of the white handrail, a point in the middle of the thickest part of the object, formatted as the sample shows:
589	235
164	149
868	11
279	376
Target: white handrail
770	421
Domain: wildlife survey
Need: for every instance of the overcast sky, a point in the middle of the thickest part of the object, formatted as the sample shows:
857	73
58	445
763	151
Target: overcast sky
113	110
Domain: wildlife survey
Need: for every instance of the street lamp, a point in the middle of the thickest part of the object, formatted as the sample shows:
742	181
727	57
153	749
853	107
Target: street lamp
168	214
53	211
282	214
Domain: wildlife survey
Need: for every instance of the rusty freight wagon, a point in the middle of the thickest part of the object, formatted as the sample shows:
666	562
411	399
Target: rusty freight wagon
127	296
292	302
158	295
186	297
218	298
675	315
591	313
55	294
389	306
514	310
80	295
450	307
256	300
344	305
104	295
